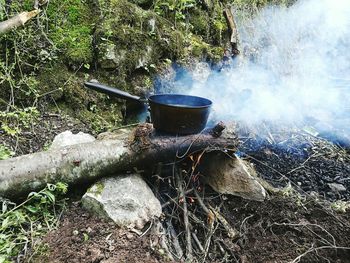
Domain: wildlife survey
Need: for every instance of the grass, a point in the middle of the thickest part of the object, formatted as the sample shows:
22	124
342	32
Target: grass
22	225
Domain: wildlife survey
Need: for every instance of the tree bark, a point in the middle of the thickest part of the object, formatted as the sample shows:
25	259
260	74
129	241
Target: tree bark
234	40
139	148
17	21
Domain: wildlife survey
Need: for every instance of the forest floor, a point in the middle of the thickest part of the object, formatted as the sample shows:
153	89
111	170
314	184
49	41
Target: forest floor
287	227
278	230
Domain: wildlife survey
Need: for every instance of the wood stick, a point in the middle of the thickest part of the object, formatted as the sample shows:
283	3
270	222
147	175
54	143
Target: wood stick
17	21
172	200
179	179
175	240
233	30
231	232
195	238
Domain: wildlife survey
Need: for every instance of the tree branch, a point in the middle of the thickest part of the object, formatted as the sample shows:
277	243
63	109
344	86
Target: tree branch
140	148
17	21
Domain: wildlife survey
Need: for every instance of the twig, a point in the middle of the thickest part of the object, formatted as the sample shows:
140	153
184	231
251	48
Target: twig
314	249
198	243
160	232
175	240
302	165
243	222
174	199
201	203
231	232
189	255
148	229
309	224
211	232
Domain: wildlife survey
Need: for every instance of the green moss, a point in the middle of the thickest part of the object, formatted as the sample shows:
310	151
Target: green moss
254	5
71	98
97	188
71	27
141	40
198	48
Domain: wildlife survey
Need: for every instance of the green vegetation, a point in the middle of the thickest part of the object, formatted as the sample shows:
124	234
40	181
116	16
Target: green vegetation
70	29
5	153
11	122
22	225
119	42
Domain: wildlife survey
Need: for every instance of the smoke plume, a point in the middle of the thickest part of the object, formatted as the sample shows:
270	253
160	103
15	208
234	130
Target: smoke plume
295	68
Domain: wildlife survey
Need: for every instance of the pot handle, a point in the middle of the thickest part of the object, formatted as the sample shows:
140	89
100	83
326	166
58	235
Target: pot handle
113	92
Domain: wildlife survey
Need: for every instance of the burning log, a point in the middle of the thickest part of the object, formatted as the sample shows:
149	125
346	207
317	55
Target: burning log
86	162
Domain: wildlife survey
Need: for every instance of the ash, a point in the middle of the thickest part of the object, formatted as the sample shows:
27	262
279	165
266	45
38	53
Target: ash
310	164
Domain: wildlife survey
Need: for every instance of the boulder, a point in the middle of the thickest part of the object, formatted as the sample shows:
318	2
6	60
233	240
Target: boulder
127	200
67	138
231	176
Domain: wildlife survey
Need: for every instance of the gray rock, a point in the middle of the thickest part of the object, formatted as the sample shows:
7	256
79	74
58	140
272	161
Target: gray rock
109	56
67	138
127	200
232	176
337	187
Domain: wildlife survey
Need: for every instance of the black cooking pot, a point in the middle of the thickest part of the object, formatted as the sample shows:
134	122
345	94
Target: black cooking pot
173	113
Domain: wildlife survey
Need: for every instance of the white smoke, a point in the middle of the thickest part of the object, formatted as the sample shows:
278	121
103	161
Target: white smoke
297	68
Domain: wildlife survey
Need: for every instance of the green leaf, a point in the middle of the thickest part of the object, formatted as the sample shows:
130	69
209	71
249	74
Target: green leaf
62	187
5	153
2	258
50	196
32	209
86	237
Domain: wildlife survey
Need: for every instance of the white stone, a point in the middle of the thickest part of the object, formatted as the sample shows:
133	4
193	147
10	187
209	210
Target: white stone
67	138
127	200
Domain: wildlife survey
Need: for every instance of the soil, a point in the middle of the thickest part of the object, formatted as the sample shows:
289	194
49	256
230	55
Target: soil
277	230
82	237
41	133
283	228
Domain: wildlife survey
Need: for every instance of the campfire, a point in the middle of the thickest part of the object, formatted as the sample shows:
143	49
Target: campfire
266	128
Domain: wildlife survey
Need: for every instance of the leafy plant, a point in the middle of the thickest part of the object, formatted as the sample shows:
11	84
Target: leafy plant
13	121
177	8
5	152
22	225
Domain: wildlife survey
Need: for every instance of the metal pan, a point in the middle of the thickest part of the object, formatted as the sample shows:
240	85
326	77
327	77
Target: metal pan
172	113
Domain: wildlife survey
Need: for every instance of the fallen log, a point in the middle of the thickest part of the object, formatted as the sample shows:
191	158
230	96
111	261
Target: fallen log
86	162
17	21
